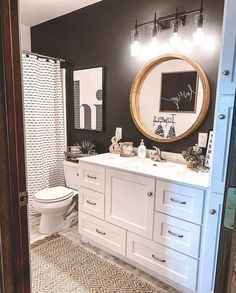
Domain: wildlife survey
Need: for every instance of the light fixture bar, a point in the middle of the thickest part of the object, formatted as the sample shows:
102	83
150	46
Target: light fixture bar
164	21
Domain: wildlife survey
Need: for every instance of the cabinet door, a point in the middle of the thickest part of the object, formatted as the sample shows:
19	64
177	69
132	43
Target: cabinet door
209	243
130	201
227	74
222	131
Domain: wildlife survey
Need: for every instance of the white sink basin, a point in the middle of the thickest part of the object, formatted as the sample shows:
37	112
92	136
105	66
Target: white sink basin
148	164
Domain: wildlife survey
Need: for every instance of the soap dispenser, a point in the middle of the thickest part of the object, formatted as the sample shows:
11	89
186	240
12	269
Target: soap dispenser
142	150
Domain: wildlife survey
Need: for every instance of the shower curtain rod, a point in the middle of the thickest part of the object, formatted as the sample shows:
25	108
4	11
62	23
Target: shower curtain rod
43	56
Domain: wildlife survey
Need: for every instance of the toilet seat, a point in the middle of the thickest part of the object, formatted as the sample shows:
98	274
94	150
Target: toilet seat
54	194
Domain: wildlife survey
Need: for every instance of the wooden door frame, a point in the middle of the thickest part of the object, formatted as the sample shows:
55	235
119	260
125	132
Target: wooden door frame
14	245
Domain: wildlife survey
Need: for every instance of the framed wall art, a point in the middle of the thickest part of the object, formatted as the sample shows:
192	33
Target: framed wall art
88	98
178	91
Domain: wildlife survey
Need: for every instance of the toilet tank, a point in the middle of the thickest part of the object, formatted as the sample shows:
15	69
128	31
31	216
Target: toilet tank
71	172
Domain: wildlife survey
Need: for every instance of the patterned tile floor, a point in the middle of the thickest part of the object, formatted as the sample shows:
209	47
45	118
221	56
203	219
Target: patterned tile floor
72	234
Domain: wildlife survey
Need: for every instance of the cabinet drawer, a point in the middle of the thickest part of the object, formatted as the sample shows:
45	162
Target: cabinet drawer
91	202
177	234
167	262
103	233
180	201
92	176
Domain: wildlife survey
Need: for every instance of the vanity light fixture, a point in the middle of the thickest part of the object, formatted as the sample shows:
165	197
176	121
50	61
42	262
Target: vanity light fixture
135	46
156	29
174	22
200	18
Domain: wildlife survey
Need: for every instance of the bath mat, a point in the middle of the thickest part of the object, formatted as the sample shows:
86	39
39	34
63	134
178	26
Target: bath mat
58	265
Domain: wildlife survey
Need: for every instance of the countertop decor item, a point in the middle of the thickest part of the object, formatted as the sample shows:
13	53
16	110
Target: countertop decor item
209	150
86	148
142	150
127	149
194	157
115	147
133	154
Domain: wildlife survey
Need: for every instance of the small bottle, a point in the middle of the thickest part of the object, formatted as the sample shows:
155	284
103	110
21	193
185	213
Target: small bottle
142	150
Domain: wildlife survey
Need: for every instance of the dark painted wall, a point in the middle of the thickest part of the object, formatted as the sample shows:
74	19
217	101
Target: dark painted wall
100	35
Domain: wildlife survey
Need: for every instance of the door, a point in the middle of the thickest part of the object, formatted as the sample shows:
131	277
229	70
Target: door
14	246
226	266
227	73
130	201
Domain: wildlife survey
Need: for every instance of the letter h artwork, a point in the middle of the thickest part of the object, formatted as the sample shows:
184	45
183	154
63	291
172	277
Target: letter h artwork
88	98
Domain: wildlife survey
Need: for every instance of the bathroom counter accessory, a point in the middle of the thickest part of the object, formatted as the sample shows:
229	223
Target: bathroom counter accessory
133	154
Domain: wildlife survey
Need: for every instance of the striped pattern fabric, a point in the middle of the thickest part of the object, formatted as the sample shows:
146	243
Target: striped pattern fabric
44	124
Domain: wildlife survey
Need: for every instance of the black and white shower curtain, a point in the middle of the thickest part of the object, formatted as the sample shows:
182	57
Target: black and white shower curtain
44	124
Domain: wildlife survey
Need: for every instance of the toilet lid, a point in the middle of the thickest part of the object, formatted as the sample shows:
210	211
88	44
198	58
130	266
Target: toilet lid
53	194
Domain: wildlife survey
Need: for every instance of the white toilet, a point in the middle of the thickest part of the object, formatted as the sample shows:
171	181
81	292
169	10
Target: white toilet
54	203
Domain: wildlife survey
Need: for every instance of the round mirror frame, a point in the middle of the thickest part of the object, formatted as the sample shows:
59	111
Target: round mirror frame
137	86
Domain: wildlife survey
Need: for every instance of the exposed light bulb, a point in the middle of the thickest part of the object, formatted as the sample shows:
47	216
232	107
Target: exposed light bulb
154	44
186	47
199	36
154	41
175	40
135	48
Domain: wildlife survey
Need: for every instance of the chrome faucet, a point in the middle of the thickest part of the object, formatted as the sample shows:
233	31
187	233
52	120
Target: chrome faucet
156	155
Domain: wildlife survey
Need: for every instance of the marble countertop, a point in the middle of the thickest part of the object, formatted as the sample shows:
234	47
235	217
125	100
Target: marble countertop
164	170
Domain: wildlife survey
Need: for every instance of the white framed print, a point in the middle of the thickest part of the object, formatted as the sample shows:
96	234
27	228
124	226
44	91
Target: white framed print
88	98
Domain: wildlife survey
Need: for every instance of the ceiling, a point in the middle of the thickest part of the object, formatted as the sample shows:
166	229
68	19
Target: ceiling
34	12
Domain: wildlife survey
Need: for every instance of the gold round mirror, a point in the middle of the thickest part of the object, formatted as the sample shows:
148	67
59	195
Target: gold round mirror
169	98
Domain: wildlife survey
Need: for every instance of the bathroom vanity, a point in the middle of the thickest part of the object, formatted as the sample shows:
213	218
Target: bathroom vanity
150	214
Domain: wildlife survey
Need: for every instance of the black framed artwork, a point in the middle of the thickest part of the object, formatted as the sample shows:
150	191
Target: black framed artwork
179	91
88	84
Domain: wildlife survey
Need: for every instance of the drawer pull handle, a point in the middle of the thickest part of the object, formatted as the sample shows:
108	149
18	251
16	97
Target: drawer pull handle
158	259
91	177
92	203
149	194
175	234
177	201
77	174
103	233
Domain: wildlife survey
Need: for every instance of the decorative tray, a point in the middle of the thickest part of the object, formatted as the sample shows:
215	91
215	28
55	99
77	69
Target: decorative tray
133	154
77	154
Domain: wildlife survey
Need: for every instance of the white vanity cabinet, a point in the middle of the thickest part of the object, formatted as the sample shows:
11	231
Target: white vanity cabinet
130	201
149	221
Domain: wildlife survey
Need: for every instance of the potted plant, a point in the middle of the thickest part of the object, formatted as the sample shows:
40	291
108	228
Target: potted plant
87	147
194	157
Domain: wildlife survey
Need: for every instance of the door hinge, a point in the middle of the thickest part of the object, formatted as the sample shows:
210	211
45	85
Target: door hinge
23	198
230	208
